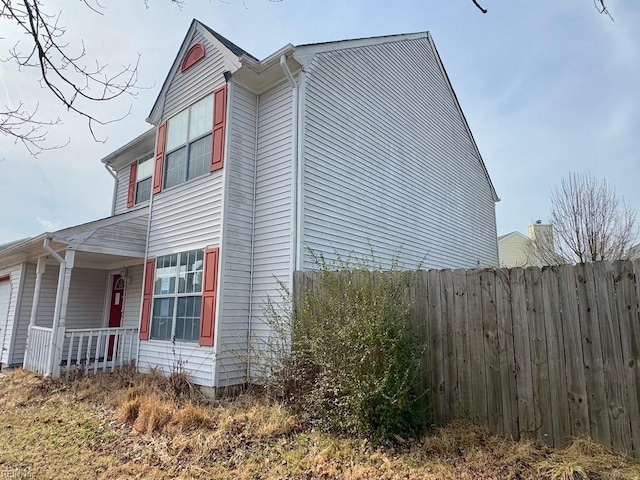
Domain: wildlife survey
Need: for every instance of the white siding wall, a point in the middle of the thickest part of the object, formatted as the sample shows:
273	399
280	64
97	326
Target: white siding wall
272	229
201	79
192	359
122	189
132	298
85	308
45	310
187	216
184	217
233	318
388	163
86	298
9	290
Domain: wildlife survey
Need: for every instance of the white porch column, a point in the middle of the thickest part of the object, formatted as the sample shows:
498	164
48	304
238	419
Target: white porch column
40	267
60	314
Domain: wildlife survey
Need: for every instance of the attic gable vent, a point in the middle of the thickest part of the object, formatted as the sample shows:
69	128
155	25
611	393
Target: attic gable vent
193	56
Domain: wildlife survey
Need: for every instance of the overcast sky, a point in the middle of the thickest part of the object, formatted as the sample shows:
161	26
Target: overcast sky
547	86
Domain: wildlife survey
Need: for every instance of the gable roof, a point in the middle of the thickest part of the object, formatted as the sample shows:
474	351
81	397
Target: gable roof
507	236
78	236
245	58
227	43
231	48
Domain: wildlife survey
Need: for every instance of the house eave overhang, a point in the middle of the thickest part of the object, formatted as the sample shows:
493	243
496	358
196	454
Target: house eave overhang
258	76
136	148
82	238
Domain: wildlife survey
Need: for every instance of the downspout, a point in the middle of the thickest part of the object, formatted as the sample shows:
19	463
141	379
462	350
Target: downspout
56	312
294	168
253	239
115	188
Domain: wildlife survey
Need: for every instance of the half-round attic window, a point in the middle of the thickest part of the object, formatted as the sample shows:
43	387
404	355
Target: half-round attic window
193	56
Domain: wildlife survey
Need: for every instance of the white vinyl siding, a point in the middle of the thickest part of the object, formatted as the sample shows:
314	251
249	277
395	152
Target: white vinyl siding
45	310
187	217
273	216
86	301
122	189
132	296
200	80
389	166
8	305
86	298
195	361
233	322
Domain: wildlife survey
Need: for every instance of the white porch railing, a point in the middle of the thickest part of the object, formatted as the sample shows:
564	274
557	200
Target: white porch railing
98	349
37	354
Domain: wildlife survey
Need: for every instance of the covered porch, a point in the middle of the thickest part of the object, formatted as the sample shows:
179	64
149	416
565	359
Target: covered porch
81	296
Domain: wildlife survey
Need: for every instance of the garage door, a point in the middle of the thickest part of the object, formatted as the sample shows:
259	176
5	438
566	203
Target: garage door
5	293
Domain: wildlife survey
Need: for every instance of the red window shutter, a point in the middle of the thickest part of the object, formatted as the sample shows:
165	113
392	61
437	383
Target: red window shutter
131	194
160	143
207	319
147	298
219	125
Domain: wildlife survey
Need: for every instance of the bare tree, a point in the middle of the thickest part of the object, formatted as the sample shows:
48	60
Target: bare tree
64	69
589	221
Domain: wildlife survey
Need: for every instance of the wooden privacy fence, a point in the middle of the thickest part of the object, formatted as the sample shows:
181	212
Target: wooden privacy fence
548	354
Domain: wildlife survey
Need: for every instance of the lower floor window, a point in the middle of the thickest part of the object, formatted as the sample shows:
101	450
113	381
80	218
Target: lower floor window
177	296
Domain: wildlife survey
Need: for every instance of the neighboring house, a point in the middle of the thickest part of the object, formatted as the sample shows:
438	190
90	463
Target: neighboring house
536	249
252	167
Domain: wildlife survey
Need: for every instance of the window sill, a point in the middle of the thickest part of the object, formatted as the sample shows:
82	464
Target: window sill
177	343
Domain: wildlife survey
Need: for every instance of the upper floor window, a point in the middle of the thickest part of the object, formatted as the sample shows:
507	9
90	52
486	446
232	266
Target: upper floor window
188	143
143	179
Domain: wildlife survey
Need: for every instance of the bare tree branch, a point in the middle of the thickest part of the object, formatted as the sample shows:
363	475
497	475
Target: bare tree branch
483	10
24	127
602	8
68	75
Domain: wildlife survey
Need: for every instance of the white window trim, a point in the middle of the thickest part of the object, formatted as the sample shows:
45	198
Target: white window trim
175	295
148	157
187	144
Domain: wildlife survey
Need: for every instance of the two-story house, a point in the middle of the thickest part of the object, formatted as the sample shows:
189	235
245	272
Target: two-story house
251	168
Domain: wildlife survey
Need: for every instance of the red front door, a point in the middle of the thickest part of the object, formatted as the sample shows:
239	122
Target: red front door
115	308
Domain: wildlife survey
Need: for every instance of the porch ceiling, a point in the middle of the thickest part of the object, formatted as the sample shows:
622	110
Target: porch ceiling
120	239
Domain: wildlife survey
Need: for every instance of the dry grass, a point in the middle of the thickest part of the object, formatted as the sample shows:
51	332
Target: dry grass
127	425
